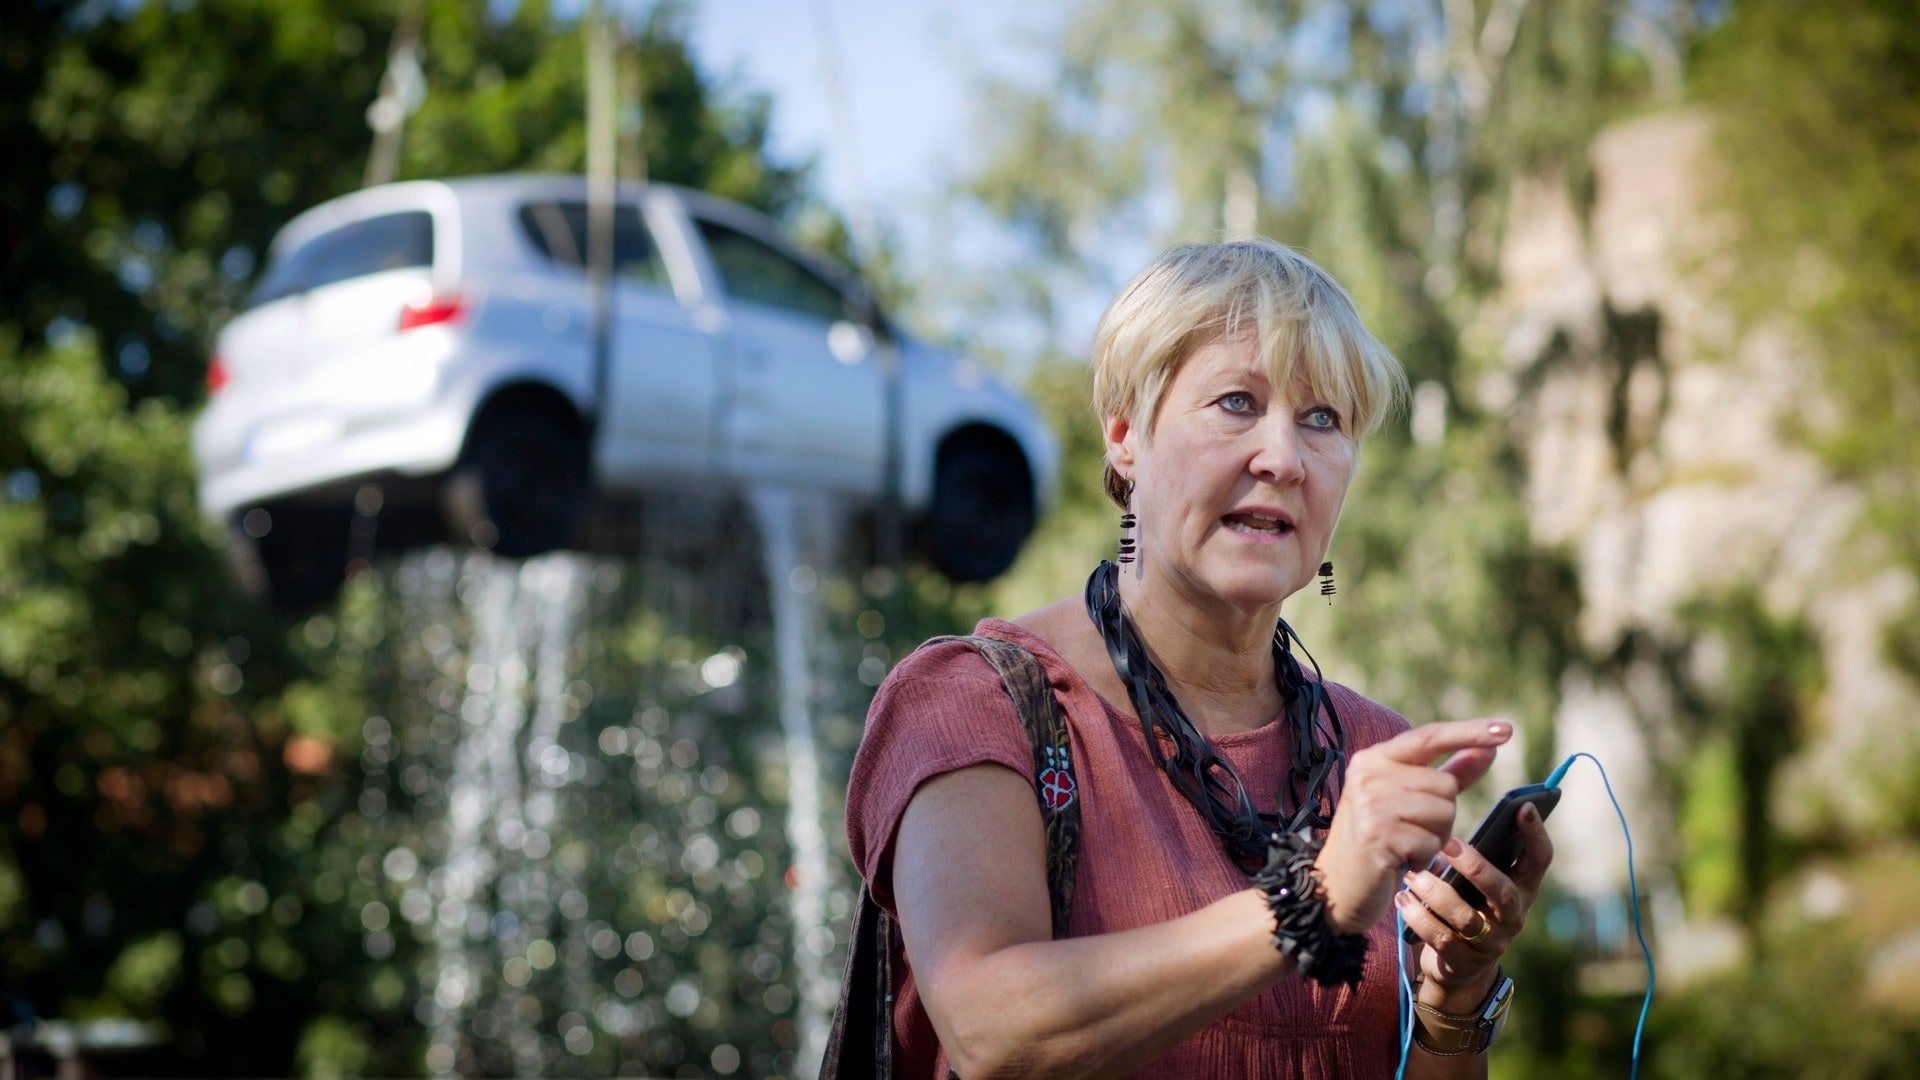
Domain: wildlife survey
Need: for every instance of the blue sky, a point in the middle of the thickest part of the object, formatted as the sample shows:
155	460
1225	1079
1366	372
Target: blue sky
906	69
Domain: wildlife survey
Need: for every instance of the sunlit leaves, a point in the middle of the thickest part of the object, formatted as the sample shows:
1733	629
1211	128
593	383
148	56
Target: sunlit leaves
1823	186
146	969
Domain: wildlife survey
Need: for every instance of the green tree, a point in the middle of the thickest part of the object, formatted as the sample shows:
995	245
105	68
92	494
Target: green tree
1381	138
1829	233
179	773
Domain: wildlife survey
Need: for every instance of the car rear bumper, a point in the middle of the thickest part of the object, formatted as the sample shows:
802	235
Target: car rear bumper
305	453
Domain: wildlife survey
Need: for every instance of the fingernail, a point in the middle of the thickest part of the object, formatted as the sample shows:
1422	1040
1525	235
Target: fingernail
1402	899
1528	814
1499	730
1407	879
1453	846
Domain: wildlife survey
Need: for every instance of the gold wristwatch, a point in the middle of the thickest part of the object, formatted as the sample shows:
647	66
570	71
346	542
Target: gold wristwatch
1450	1035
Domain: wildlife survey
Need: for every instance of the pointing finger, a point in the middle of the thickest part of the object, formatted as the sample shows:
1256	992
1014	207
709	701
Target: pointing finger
1428	741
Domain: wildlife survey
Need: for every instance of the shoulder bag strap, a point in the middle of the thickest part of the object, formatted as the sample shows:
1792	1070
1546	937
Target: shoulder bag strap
1046	728
861	1042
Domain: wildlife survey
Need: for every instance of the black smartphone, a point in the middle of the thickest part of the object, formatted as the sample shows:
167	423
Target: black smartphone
1497	839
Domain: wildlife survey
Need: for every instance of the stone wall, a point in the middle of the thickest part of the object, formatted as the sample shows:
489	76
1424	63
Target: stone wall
1667	455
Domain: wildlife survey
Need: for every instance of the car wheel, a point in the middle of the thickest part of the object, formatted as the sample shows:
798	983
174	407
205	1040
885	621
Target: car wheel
982	511
290	557
521	485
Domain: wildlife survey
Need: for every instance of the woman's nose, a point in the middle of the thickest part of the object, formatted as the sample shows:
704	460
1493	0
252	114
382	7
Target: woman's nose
1279	457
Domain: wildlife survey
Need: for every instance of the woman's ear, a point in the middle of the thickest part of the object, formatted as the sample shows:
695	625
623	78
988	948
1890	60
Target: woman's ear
1120	437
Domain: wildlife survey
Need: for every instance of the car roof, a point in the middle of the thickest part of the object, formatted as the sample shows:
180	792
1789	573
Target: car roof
489	191
431	194
496	188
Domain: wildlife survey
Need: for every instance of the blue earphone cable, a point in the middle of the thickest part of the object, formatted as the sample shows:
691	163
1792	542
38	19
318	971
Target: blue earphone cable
1633	888
1406	992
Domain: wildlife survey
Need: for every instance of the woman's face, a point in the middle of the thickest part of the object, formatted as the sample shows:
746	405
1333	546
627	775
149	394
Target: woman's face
1239	487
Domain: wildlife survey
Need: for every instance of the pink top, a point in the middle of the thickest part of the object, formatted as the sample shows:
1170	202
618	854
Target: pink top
1145	853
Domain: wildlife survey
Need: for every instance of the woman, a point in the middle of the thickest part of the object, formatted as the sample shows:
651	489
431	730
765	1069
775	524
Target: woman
1234	383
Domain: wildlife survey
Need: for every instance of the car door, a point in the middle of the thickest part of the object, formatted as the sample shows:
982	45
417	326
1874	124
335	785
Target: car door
662	377
804	401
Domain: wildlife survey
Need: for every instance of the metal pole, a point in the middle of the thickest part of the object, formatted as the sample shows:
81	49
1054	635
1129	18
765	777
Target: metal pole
402	89
889	524
601	156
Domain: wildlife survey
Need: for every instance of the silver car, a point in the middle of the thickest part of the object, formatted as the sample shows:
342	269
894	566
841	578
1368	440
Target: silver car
419	361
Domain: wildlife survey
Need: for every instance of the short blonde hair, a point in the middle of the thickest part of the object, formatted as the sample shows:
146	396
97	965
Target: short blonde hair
1195	294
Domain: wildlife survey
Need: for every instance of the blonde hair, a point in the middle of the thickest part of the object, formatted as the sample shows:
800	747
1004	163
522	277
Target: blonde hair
1195	294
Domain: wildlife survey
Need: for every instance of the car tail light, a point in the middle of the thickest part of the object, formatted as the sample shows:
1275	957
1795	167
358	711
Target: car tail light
438	310
216	374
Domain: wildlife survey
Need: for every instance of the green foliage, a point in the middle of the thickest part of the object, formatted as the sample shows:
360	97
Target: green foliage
1800	1012
1085	525
1804	1008
1709	863
146	970
645	890
1829	230
181	774
1447	609
330	1049
511	97
139	757
159	146
1756	718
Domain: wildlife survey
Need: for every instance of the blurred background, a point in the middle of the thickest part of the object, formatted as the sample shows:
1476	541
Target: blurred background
1653	268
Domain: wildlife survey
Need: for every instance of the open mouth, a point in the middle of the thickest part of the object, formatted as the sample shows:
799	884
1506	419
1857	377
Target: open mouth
1257	524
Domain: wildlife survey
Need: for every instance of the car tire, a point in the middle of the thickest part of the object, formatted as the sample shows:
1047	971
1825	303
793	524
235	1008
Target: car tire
982	510
288	557
521	486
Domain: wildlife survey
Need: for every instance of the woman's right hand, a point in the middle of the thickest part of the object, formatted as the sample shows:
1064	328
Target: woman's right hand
1396	810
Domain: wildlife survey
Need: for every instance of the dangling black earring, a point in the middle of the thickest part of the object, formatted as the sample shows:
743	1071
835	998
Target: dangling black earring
1326	582
1129	547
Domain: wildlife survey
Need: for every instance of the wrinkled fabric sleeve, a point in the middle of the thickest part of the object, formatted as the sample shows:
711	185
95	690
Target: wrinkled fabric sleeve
942	709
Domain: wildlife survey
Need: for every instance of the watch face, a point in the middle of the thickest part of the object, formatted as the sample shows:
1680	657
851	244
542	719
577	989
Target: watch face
1497	1003
1494	1017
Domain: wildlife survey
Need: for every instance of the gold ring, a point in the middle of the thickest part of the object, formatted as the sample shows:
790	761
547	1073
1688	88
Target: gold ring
1480	935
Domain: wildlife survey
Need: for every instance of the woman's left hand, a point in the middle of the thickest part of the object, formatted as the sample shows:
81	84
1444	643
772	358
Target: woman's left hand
1463	944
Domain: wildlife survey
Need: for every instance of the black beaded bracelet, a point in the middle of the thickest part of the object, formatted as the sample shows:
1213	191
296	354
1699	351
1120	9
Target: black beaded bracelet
1299	906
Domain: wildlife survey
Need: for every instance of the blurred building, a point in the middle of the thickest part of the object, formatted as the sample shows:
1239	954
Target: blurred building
1669	454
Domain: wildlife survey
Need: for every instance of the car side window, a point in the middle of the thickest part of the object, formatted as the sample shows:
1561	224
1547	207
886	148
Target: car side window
558	231
754	271
356	249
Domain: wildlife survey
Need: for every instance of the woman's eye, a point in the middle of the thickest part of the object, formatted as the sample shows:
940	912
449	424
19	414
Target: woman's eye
1237	402
1323	417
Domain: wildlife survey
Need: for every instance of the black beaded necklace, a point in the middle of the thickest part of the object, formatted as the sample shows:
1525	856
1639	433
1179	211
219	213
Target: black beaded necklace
1208	781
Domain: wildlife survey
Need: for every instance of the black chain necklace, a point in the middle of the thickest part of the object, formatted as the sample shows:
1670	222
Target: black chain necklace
1208	781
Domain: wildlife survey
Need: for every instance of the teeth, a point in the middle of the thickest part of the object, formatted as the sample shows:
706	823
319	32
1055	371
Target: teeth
1255	525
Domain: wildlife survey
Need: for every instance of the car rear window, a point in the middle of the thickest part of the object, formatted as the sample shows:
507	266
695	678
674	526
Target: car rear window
757	272
558	231
356	249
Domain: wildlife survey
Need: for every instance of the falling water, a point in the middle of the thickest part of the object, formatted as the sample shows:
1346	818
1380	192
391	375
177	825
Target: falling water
491	714
500	806
792	588
597	837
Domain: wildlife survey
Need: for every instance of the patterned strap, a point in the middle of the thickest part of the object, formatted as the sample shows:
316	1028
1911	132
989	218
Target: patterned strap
1026	683
865	1017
